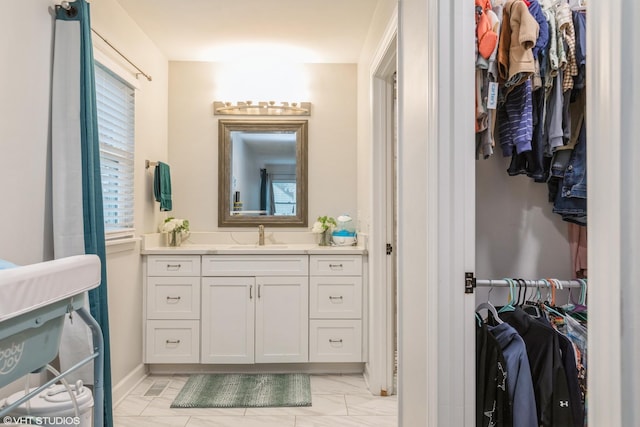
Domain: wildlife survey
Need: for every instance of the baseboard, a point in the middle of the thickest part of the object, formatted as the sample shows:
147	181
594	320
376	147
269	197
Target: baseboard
310	368
128	383
367	376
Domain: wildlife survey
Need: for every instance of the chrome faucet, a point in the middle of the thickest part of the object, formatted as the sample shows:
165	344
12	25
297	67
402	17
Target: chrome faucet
261	235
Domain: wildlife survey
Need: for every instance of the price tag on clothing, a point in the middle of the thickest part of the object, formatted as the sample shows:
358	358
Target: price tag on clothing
492	99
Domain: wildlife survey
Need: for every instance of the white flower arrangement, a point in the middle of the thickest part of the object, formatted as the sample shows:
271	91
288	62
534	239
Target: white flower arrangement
172	224
324	223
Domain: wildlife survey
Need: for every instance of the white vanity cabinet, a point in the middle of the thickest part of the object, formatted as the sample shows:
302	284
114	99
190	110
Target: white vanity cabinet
335	326
172	301
255	309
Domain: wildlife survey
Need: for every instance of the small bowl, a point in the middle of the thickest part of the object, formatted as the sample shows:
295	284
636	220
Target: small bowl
344	240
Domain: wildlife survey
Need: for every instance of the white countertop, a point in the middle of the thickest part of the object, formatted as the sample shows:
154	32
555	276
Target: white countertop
281	249
238	242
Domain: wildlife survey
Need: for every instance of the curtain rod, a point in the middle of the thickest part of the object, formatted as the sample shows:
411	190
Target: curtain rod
67	6
122	55
534	283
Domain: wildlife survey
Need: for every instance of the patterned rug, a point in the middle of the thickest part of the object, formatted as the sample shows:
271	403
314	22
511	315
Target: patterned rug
244	391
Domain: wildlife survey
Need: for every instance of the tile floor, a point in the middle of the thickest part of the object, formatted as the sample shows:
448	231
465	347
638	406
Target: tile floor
337	401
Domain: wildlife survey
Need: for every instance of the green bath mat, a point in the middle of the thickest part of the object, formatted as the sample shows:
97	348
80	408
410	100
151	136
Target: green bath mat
244	391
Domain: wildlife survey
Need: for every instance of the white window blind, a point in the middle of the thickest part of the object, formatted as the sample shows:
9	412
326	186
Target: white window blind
116	113
284	197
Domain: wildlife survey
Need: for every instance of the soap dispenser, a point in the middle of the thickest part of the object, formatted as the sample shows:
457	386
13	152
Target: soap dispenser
344	234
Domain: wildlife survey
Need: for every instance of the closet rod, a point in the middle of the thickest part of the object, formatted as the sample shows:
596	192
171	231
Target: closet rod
534	283
72	10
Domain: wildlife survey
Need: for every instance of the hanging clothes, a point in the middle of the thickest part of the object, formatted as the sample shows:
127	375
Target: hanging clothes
519	382
518	36
578	248
492	398
553	404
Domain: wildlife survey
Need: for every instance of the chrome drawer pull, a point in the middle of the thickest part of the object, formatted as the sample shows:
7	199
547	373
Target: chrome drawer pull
173	298
250	291
332	298
335	341
173	341
174	266
335	265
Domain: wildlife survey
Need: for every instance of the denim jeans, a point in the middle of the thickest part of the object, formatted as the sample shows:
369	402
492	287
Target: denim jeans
571	196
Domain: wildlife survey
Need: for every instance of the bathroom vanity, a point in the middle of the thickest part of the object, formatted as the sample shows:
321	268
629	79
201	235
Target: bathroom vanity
246	304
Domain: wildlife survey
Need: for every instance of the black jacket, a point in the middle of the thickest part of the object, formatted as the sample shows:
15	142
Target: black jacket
547	371
492	398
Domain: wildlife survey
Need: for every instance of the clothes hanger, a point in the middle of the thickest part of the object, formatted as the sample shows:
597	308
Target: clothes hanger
553	287
548	286
583	292
521	283
580	310
512	300
490	307
529	307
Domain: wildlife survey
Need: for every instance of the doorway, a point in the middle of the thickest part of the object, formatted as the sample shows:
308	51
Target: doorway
382	367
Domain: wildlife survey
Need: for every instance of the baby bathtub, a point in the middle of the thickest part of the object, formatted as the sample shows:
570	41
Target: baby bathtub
34	300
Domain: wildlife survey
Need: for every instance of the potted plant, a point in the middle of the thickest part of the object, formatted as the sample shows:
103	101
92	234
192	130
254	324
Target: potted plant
324	225
175	229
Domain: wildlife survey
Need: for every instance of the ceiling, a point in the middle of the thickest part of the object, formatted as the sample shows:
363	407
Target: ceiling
315	31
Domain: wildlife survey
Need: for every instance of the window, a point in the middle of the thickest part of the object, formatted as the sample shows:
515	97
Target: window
115	101
284	196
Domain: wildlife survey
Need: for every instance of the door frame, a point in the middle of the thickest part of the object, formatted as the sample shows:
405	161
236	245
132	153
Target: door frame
380	365
436	223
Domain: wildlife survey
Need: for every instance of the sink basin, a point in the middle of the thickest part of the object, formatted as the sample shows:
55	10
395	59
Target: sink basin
259	247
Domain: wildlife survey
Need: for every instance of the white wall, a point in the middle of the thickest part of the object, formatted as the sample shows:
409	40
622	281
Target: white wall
124	273
25	225
193	138
379	24
517	234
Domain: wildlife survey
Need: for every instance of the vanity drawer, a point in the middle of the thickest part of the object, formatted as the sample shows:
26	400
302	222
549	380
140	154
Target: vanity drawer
173	298
255	265
335	297
335	265
173	265
335	341
173	341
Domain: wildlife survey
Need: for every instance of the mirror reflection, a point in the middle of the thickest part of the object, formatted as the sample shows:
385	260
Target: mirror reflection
262	173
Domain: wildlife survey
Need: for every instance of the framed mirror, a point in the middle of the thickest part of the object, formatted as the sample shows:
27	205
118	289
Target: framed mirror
262	177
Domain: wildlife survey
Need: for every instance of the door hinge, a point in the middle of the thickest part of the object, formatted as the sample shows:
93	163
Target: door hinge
389	248
469	283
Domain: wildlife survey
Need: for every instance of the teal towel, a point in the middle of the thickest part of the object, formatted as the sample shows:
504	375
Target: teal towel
162	186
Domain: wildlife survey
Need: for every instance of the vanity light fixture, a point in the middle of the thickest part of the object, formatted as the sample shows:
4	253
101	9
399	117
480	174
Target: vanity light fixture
270	108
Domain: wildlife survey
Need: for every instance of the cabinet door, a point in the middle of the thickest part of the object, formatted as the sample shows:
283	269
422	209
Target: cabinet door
228	319
282	319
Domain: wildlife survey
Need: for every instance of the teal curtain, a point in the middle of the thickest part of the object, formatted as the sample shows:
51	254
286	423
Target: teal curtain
92	216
